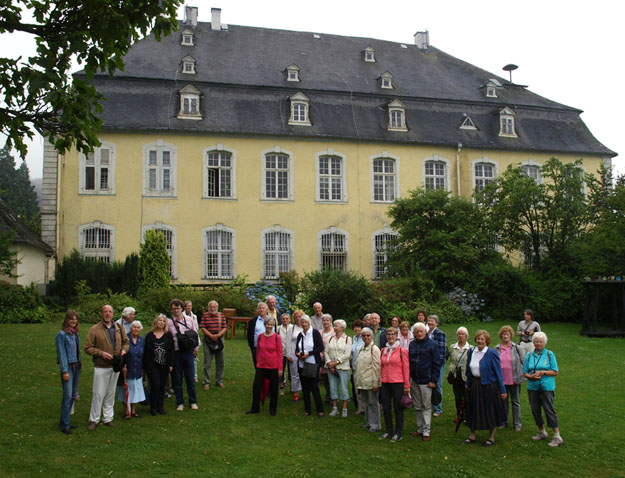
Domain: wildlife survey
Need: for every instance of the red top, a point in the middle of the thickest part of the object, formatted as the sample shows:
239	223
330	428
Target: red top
269	352
395	368
213	322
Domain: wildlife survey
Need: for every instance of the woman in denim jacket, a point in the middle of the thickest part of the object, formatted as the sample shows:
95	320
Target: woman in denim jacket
68	357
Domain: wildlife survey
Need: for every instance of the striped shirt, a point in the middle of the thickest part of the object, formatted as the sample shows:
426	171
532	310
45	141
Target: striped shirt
214	323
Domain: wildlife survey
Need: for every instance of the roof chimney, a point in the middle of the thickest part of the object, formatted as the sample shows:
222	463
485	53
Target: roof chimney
215	18
422	40
190	16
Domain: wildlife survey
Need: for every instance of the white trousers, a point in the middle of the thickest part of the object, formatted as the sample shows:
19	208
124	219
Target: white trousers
103	400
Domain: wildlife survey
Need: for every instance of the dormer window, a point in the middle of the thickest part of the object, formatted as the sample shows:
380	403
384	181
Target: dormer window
507	123
468	124
190	103
491	88
299	110
186	38
292	73
397	116
386	80
369	54
188	65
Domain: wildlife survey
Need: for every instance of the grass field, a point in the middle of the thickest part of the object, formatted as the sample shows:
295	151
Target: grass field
220	440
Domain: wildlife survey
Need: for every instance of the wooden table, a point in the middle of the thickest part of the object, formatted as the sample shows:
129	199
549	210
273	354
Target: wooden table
233	321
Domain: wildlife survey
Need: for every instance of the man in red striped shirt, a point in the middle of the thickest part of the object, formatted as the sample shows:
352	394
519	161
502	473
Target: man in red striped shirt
214	326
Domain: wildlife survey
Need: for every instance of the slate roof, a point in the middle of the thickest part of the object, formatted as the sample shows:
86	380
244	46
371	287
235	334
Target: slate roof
241	73
23	234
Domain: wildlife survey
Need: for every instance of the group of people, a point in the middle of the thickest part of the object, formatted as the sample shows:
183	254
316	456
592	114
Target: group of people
391	369
166	356
402	366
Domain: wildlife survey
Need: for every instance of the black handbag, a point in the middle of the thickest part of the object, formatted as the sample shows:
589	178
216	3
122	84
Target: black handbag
188	340
214	346
309	370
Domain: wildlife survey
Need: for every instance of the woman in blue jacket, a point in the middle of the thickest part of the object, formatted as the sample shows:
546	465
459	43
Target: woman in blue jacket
487	393
68	357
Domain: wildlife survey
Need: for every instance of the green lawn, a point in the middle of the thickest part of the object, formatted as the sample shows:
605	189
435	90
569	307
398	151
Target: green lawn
221	440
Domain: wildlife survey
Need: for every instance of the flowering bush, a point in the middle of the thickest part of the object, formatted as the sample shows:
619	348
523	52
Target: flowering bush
470	304
261	289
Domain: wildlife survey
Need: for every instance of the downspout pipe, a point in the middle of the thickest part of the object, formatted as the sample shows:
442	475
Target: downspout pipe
458	168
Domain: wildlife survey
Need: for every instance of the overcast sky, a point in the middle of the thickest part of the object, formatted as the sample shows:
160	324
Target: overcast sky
567	51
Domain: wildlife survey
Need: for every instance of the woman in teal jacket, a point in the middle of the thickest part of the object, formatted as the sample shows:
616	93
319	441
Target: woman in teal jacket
68	357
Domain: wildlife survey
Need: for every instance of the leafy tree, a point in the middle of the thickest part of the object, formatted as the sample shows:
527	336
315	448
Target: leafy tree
39	91
8	259
153	263
440	237
537	219
16	190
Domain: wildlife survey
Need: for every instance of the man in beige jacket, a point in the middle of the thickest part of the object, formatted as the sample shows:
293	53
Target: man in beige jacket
104	340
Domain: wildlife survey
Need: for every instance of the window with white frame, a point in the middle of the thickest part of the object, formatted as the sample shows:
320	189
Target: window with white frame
397	116
299	110
333	249
468	124
96	241
219	173
189	103
382	242
386	80
369	54
277	252
169	233
435	175
159	169
532	171
219	248
292	73
484	174
277	175
188	65
97	170
330	177
186	38
384	179
507	123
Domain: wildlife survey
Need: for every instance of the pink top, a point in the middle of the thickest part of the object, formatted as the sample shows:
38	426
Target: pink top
395	368
183	324
269	352
506	364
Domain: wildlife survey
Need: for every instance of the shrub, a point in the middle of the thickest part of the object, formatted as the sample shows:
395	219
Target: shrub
345	295
154	263
261	289
21	305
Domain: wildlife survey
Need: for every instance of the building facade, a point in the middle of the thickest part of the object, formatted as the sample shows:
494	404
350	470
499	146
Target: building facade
257	151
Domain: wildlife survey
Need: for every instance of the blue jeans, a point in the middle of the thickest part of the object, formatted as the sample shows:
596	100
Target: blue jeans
339	382
70	389
439	385
183	364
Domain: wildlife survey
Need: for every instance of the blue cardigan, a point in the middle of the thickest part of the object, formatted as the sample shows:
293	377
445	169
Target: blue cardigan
490	369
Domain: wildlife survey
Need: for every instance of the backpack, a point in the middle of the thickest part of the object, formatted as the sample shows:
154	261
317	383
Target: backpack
188	340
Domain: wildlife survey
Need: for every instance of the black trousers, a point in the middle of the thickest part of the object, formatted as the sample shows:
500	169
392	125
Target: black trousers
460	391
311	385
393	391
157	377
259	379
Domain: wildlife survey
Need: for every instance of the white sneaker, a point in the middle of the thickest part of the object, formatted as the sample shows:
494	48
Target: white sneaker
540	436
396	438
555	441
194	406
344	413
180	408
334	412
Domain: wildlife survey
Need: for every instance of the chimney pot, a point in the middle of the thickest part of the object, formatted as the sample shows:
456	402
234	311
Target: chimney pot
216	19
422	40
190	16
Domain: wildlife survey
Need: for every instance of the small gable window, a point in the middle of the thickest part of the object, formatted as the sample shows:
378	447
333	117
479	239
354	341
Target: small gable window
386	80
299	110
186	38
292	73
468	124
507	125
397	116
491	88
369	54
188	65
190	103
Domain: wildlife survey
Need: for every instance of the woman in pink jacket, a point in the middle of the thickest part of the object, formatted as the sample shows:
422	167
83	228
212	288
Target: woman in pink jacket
395	382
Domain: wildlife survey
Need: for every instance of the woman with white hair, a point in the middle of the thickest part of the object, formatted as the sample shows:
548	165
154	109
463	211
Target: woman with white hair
337	354
457	375
134	371
308	350
296	384
127	318
540	369
368	375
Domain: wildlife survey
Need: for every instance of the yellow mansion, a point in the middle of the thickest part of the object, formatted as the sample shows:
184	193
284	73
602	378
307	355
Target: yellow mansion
258	151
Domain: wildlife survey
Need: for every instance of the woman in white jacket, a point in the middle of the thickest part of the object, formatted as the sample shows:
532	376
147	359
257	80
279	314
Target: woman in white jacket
368	368
290	342
337	355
